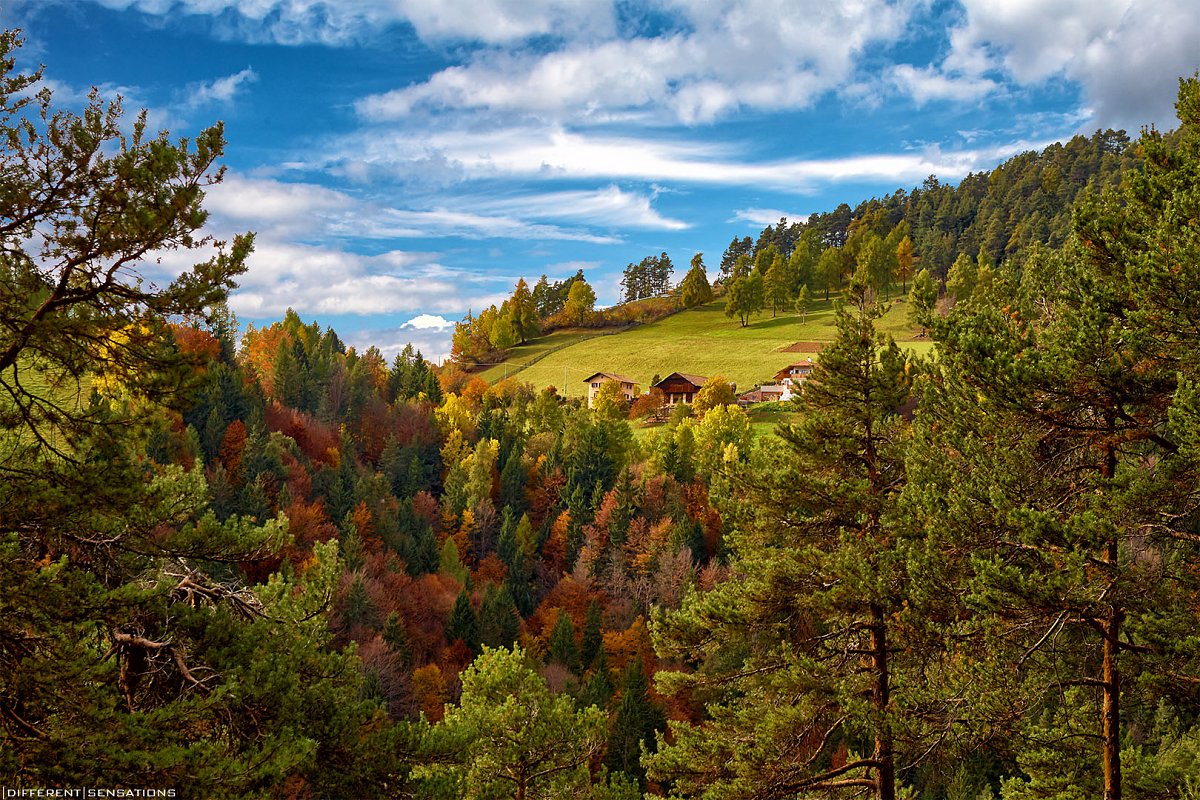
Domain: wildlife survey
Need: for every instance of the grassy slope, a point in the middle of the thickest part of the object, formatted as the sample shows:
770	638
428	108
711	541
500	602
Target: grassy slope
702	341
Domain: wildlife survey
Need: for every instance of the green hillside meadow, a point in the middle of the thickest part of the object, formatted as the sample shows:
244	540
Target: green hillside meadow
702	341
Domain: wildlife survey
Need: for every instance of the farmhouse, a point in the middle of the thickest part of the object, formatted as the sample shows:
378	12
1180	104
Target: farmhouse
594	382
680	388
766	393
795	373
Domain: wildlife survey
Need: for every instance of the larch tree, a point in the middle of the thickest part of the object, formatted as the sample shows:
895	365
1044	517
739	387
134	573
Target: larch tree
581	302
776	285
695	289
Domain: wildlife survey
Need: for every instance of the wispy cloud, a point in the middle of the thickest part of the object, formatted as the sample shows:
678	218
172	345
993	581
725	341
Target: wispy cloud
309	211
762	217
220	91
552	152
609	206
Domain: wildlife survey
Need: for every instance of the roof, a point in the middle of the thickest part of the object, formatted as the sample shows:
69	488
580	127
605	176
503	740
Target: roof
694	380
611	376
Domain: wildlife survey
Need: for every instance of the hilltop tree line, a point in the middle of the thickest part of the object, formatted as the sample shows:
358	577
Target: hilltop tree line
275	565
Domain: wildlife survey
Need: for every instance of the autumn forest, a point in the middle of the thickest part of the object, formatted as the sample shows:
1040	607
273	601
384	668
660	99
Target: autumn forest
241	561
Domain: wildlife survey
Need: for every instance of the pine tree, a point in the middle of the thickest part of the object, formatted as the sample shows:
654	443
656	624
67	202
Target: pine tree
1063	467
515	739
807	640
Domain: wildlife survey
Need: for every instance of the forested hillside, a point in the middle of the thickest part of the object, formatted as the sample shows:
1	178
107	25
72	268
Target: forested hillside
271	565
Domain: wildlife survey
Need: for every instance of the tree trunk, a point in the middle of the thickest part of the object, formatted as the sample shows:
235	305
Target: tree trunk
885	779
1112	630
1112	695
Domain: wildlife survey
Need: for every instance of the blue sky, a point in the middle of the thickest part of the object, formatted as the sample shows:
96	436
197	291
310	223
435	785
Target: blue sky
403	161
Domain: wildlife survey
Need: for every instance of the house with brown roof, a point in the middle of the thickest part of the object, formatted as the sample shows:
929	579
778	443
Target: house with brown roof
679	387
795	373
594	382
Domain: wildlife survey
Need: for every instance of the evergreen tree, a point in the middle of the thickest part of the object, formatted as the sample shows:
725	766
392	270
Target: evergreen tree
561	646
922	301
499	622
738	248
1066	417
593	635
808	640
463	625
636	720
513	739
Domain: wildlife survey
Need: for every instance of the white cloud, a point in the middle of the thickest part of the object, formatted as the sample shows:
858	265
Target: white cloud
928	84
320	280
276	205
762	217
221	90
550	152
1126	54
758	54
338	22
608	206
307	211
427	321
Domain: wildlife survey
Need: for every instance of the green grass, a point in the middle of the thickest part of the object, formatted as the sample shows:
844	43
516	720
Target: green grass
702	341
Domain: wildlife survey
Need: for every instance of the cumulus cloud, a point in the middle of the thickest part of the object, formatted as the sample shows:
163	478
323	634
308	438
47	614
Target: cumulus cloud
1126	54
427	321
757	54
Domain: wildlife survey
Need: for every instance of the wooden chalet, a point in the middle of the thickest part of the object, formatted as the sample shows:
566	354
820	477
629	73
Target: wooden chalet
795	373
679	387
594	382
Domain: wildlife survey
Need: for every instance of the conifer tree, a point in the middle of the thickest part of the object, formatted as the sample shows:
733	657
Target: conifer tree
1063	470
561	646
636	720
807	641
513	739
463	625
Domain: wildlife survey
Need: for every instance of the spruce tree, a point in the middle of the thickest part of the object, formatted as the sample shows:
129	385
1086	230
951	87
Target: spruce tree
562	648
